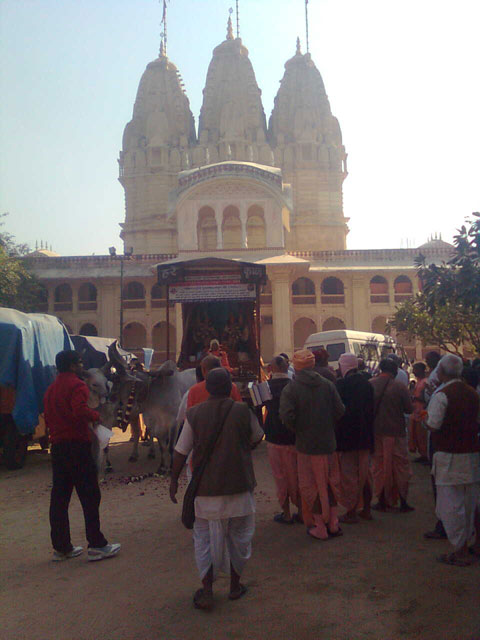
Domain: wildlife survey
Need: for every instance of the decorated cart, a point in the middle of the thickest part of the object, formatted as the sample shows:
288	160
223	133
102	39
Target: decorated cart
220	300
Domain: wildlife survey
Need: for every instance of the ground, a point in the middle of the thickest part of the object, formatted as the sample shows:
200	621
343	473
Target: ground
380	581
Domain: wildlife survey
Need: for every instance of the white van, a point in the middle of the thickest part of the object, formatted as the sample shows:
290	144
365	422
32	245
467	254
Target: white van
372	347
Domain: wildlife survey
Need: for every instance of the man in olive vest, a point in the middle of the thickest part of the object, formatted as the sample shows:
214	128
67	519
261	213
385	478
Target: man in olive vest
452	420
224	506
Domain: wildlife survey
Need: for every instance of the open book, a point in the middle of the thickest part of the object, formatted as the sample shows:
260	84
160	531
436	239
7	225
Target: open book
259	393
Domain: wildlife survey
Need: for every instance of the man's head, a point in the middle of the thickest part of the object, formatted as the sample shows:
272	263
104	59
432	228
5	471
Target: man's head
69	361
284	355
361	364
219	382
449	367
279	365
214	345
321	357
303	359
387	365
348	362
396	359
208	363
432	359
419	370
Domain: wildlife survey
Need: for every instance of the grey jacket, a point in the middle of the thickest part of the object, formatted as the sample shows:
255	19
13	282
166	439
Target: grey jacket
310	406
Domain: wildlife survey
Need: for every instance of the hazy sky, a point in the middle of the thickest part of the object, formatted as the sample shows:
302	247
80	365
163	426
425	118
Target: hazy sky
402	78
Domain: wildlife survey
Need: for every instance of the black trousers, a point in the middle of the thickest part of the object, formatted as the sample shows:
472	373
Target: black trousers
73	466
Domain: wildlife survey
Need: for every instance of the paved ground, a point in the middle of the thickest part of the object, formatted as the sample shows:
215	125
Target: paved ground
380	581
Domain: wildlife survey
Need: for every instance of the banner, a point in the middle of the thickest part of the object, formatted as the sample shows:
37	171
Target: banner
212	287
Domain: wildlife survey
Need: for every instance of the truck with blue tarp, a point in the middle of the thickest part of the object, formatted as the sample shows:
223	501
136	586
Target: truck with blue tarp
29	343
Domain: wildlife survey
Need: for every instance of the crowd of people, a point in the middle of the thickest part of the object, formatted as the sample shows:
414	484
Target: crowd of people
334	439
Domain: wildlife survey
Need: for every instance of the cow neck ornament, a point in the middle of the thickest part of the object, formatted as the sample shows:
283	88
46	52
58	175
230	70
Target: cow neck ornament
123	418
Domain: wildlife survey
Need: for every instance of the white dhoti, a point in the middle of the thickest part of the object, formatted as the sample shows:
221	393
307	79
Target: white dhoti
218	543
455	507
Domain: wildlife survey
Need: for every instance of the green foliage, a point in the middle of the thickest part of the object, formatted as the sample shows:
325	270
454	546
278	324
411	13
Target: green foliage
19	289
447	311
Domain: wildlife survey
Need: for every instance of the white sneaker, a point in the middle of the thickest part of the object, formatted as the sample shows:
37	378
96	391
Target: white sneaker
59	557
100	553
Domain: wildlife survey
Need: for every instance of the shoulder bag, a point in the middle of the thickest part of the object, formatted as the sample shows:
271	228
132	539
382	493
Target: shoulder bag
188	509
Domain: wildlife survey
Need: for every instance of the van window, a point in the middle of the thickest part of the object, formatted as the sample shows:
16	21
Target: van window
367	351
335	351
387	349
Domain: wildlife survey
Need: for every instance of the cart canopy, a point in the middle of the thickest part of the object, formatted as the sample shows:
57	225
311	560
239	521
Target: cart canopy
29	343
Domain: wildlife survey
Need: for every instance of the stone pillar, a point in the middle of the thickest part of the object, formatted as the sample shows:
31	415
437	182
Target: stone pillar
218	218
109	308
359	304
282	310
243	220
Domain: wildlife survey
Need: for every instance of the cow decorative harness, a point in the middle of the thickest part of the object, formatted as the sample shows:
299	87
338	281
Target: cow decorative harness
123	417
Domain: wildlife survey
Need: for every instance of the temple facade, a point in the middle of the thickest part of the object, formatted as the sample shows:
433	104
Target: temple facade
236	187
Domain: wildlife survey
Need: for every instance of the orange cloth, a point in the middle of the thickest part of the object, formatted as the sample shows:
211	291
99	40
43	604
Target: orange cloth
283	460
198	393
391	468
417	437
354	475
319	477
222	356
303	359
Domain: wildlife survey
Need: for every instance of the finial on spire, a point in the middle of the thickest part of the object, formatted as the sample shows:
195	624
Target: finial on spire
229	25
163	34
306	26
298	51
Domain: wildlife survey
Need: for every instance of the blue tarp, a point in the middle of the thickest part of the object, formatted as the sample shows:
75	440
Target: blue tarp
29	343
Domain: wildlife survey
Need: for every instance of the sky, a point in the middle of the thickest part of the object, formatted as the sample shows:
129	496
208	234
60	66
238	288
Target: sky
402	79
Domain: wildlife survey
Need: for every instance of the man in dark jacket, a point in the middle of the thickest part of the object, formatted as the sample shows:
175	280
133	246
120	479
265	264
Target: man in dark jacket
354	434
282	454
67	417
310	406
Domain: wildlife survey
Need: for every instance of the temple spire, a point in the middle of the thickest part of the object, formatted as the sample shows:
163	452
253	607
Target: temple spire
163	34
163	53
238	19
299	50
306	26
229	26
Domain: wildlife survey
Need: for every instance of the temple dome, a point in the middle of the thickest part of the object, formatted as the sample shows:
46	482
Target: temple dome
232	107
161	114
301	111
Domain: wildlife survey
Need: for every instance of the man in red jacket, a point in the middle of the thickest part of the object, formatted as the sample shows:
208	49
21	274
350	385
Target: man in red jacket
67	417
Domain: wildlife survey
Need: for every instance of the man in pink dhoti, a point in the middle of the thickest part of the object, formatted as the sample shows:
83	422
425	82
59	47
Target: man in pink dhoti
391	466
282	454
354	433
310	406
417	434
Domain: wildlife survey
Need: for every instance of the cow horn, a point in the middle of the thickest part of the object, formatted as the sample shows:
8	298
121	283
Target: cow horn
115	359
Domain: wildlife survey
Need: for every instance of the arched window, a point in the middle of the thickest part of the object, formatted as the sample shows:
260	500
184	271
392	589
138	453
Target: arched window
41	301
302	328
159	340
256	234
134	295
379	324
379	290
88	329
87	297
134	336
207	229
159	296
303	291
232	228
333	291
333	324
403	288
63	297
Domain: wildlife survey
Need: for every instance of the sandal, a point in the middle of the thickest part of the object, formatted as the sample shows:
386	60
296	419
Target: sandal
452	559
202	600
236	595
335	534
280	518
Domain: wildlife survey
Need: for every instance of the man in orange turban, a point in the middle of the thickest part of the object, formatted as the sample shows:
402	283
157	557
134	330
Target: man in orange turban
310	406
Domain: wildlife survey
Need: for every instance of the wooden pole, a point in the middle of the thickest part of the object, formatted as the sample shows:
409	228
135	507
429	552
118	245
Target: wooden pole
168	322
259	343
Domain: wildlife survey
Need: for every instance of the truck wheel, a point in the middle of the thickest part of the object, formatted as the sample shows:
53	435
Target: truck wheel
14	447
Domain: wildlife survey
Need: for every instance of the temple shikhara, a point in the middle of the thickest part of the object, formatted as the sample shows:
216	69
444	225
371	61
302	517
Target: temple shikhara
239	186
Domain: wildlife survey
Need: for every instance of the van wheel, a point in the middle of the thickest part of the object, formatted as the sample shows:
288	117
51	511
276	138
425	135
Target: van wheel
14	447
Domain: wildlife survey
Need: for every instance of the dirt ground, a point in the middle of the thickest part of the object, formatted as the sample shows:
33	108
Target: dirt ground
379	581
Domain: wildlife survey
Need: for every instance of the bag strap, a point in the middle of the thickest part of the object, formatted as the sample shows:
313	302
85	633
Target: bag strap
200	468
379	401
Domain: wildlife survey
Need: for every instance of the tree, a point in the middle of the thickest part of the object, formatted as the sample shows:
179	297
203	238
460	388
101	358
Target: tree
447	311
19	289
